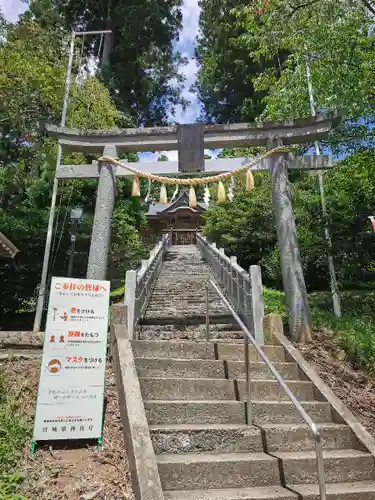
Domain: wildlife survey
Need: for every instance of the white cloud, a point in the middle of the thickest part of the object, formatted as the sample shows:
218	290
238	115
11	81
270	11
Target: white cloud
190	13
12	9
192	112
187	41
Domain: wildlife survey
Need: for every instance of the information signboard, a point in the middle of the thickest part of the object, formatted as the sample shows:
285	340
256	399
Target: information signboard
71	385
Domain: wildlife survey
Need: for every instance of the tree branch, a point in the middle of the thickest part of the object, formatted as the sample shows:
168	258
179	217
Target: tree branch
303	5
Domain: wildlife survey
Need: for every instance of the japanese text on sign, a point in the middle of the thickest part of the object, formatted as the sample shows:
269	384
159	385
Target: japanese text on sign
71	385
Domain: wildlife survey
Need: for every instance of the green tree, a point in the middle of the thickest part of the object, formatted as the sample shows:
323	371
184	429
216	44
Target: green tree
33	63
253	63
227	67
246	227
140	67
336	39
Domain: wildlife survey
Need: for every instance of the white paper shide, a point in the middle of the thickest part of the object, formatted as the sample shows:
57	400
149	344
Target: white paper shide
71	385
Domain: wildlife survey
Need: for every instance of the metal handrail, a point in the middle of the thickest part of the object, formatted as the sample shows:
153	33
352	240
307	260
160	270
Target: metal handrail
248	337
243	289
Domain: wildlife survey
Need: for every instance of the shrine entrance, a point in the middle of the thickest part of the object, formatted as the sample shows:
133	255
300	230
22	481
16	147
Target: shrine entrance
175	218
184	236
191	140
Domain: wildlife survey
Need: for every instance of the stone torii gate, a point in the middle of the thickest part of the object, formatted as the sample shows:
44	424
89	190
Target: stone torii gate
190	141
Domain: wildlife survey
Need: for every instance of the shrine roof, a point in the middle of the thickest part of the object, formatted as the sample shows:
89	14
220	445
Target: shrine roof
181	203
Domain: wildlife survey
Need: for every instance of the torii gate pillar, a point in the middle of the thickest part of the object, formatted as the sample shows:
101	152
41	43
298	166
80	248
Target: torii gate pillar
101	231
290	259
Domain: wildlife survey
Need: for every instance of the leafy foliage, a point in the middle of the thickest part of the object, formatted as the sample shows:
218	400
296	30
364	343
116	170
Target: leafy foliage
246	228
225	78
355	330
33	61
140	69
253	63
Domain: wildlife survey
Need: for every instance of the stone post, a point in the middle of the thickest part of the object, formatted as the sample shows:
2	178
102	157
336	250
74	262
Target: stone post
101	231
290	260
255	275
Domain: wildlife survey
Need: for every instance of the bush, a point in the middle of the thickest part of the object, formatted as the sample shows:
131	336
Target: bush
14	431
355	330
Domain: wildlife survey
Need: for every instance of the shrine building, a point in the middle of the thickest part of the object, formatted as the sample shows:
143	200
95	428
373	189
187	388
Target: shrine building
175	217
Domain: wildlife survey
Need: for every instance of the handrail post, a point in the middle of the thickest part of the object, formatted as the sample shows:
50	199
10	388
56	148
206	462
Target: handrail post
207	314
249	408
257	303
320	466
129	299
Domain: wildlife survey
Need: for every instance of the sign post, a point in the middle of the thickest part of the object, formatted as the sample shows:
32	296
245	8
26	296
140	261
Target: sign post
71	385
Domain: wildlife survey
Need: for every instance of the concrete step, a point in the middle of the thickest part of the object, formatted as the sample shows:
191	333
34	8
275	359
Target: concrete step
339	466
181	319
362	490
199	368
260	493
176	309
180	304
194	412
183	332
235	352
209	438
179	368
161	412
213	388
274	412
161	297
226	327
226	470
258	369
266	390
179	350
190	389
297	437
202	350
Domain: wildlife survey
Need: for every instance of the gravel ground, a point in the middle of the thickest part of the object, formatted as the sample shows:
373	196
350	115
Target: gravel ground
74	473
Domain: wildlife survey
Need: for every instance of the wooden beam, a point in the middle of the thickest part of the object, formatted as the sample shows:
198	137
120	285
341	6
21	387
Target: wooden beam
213	167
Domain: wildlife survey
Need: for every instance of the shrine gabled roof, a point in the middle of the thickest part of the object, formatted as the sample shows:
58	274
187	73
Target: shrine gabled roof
7	249
182	202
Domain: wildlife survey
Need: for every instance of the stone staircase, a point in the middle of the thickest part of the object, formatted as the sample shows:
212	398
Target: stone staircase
194	398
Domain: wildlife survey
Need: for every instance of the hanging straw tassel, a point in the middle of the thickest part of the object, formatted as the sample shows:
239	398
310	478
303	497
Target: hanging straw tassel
192	198
174	194
221	193
249	180
136	190
148	191
163	194
231	189
206	196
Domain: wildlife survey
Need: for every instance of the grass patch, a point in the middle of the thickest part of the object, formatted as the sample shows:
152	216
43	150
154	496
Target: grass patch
14	431
118	293
355	330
